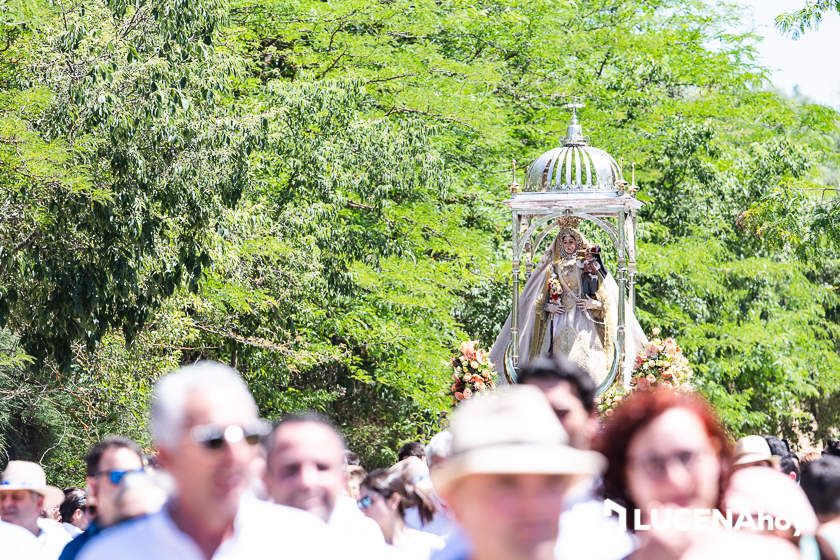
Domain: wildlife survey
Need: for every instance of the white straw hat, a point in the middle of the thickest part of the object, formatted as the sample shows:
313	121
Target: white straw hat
750	450
510	431
25	475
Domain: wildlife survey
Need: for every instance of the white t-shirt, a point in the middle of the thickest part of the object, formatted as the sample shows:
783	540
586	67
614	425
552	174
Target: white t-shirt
587	530
71	529
17	543
52	539
346	516
358	534
418	545
441	524
261	530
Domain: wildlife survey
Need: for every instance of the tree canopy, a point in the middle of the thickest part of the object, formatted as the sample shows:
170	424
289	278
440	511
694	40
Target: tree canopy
311	192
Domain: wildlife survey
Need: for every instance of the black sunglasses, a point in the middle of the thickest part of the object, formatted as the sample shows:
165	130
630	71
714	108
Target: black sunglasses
214	437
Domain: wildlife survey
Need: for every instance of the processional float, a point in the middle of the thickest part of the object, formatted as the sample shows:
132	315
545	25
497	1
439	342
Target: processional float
568	184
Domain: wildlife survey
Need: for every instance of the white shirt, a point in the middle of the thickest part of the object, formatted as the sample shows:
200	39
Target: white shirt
52	539
346	516
17	543
441	524
261	530
417	545
71	529
587	532
358	533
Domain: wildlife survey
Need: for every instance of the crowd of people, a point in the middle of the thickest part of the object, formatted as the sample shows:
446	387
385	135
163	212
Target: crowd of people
528	471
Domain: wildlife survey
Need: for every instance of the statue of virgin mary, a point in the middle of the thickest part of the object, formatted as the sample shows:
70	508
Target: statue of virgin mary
569	307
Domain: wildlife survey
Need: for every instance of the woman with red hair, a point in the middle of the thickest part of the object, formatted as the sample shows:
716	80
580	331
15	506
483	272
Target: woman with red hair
669	459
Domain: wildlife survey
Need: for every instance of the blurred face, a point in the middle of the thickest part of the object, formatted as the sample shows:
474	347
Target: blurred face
569	244
101	486
579	424
354	486
305	469
510	516
672	463
138	497
381	509
21	507
210	476
54	514
79	519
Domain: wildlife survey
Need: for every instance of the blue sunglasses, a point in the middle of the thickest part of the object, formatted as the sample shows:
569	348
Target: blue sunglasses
365	502
116	477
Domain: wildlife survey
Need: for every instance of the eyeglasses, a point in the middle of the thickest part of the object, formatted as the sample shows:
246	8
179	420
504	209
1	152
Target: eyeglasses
90	510
116	477
365	502
656	466
214	437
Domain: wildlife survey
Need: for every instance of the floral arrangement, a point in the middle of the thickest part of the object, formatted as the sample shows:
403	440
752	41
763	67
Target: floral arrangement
610	399
555	291
660	363
472	372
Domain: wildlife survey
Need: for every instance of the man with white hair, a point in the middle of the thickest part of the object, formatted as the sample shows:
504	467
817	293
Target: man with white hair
206	430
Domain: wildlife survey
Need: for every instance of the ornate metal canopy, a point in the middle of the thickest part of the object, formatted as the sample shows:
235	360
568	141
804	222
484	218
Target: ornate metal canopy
578	180
573	167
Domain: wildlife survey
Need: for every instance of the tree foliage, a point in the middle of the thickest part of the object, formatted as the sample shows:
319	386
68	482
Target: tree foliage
310	192
809	16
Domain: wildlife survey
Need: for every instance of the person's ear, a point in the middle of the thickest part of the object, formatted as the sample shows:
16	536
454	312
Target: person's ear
163	456
92	486
792	476
77	516
394	501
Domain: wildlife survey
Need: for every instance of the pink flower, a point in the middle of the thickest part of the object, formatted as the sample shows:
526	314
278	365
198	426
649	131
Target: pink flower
467	393
459	396
468	349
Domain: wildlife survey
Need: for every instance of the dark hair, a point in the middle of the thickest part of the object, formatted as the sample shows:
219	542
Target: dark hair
300	418
305	417
74	498
832	447
633	415
412	449
778	446
558	368
387	483
821	483
94	456
789	464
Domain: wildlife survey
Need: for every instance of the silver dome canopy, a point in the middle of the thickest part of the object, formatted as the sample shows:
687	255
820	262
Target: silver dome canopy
574	167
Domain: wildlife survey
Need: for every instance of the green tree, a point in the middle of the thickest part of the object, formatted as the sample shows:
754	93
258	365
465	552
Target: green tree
809	16
311	192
